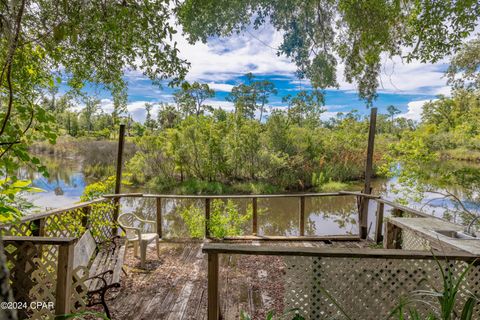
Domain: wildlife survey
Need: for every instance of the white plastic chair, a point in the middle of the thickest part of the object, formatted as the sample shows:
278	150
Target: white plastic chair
135	234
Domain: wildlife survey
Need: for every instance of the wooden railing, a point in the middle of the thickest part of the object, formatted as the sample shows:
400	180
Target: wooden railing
398	210
49	237
46	261
338	267
38	224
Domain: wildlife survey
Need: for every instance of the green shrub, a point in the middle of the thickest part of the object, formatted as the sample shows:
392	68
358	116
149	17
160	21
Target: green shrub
225	219
194	219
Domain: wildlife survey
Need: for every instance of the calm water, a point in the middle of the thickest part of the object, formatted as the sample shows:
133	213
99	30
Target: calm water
324	216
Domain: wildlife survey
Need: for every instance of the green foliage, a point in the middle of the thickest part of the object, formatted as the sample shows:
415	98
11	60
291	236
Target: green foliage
11	202
225	219
40	46
107	186
227	152
251	96
447	298
191	98
97	189
194	218
466	63
318	35
449	129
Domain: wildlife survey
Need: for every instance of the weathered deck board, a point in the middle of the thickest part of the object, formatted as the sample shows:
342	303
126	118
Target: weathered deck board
175	287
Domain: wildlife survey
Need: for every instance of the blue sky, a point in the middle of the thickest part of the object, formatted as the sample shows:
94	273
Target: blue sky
222	63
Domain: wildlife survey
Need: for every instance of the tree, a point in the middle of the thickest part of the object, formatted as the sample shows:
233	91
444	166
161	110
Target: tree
251	96
92	106
464	69
82	40
392	112
149	122
305	108
317	34
191	97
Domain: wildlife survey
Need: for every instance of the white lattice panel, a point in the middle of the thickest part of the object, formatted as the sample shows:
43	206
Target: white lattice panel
364	288
410	241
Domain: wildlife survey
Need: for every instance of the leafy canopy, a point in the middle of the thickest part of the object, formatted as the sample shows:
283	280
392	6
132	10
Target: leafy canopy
94	41
318	34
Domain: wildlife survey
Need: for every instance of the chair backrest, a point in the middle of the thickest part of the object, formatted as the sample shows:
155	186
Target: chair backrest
84	250
126	220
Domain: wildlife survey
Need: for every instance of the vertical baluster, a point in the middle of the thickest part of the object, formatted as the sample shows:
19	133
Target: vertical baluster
159	217
302	215
254	216
207	218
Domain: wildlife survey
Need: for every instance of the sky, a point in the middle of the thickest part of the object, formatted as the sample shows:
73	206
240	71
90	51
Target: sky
223	62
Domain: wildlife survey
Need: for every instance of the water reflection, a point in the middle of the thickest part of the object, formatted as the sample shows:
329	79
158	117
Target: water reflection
323	215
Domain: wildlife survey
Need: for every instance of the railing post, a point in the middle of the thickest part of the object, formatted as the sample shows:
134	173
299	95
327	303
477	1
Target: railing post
363	214
379	222
393	236
254	216
86	216
207	218
302	215
118	176
38	227
159	217
213	307
63	293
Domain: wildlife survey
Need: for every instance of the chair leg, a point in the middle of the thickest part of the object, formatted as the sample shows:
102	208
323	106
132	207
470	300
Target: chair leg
143	253
126	249
135	248
158	248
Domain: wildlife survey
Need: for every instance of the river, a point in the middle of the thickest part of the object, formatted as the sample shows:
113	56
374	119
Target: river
324	216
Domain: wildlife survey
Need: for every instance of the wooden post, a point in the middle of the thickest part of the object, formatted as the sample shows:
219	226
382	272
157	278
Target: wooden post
379	223
254	216
207	218
37	227
213	304
86	216
63	293
302	216
363	214
397	213
159	217
393	236
118	177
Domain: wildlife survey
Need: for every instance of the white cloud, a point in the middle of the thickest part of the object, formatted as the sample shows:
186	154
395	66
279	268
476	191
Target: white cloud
415	109
225	105
226	58
223	59
220	86
327	115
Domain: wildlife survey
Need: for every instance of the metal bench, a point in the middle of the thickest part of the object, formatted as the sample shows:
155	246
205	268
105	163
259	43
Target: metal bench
104	264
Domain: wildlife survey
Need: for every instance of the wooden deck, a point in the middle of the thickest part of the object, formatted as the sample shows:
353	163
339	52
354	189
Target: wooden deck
175	286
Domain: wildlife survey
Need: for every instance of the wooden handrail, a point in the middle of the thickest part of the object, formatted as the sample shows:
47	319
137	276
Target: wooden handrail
405	209
222	248
224	196
39	216
359	194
